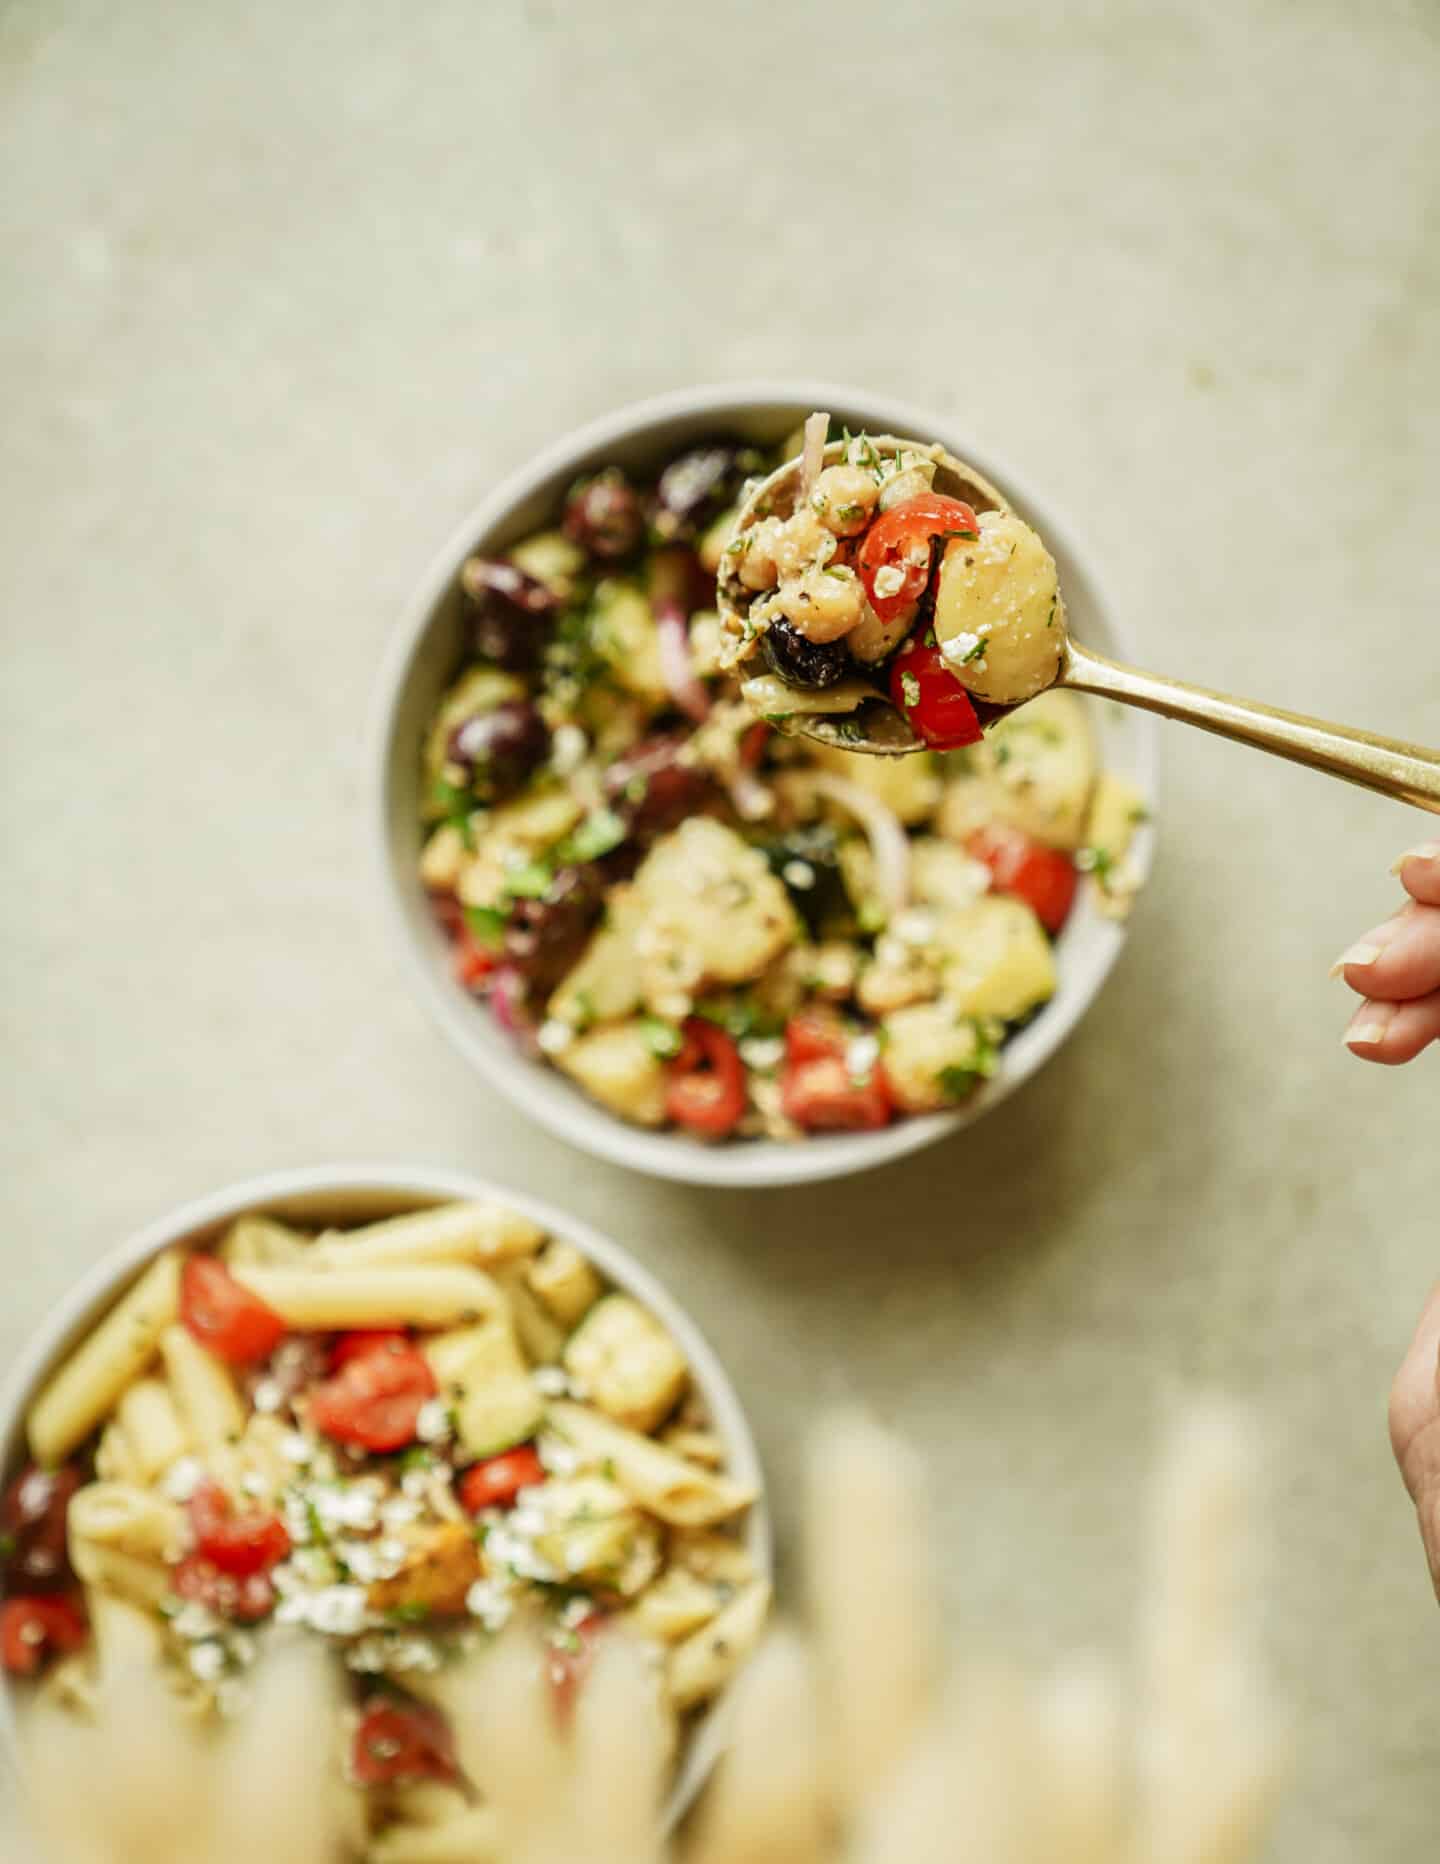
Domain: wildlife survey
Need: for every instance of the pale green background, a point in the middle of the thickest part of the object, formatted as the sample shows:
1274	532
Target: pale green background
288	285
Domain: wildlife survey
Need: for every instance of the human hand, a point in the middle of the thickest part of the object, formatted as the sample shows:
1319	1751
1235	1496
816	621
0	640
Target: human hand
1415	1428
1396	970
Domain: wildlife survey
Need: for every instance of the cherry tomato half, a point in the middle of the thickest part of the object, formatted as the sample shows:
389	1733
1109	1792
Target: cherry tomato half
707	1081
814	1034
499	1479
1025	868
200	1582
33	1630
402	1741
374	1402
823	1096
364	1341
238	1544
224	1316
903	540
931	698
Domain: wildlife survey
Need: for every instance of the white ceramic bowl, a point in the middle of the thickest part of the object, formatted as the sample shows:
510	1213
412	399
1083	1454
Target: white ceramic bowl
350	1194
423	659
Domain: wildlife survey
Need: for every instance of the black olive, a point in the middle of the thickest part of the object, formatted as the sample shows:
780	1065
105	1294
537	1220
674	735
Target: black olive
653	791
513	612
809	665
603	515
698	486
33	1530
545	938
496	751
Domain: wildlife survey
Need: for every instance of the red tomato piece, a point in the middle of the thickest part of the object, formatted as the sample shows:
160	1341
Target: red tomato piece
473	963
34	1544
707	1081
823	1096
567	1662
245	1600
928	693
1025	868
223	1315
364	1341
32	1630
402	1741
238	1544
499	1479
814	1034
374	1402
903	539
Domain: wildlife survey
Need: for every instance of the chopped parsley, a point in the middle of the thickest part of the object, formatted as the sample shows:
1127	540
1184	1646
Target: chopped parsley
414	1612
740	1016
664	1038
975	652
528	880
910	689
487	926
1097	861
601	831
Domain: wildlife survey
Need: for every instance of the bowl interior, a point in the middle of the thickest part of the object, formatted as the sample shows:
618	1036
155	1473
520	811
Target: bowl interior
325	1196
430	647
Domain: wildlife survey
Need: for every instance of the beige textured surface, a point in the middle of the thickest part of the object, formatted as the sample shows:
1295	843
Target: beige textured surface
286	285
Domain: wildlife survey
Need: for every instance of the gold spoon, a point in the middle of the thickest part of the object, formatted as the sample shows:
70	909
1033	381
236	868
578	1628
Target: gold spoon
870	723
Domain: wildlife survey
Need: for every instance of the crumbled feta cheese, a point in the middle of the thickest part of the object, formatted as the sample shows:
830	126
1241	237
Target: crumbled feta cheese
336	1611
861	1056
568	747
296	1448
798	874
889	580
433	1423
399	1511
490	1603
253	1483
560	1459
762	1051
347	1505
184	1476
194	1622
915	926
207	1661
966	649
554	1036
267	1396
575	1611
551	1381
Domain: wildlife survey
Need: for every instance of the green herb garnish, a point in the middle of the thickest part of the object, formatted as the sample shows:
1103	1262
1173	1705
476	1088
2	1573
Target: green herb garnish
664	1039
487	926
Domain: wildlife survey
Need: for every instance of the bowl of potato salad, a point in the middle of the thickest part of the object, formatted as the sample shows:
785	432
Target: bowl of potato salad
392	1413
665	927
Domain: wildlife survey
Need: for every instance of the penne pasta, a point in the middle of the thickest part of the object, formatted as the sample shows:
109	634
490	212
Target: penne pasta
472	1837
141	1582
675	1606
662	1483
566	1283
702	1665
541	1337
202	1390
132	1520
487	1384
486	1234
261	1241
153	1428
92	1379
324	1295
115	1459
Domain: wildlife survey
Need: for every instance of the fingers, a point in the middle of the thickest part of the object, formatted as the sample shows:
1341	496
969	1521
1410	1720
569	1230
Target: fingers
1415	1427
1419	871
1392	1033
1398	960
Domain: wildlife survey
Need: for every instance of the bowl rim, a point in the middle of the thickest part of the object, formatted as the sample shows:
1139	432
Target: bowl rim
106	1280
527	1084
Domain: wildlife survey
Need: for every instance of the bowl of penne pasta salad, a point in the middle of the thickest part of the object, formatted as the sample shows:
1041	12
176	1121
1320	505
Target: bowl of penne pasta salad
675	934
393	1416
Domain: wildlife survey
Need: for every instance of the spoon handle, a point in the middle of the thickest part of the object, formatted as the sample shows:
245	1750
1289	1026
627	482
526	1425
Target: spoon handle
1409	772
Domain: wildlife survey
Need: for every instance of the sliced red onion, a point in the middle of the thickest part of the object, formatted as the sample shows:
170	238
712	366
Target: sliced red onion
812	453
889	843
682	682
506	997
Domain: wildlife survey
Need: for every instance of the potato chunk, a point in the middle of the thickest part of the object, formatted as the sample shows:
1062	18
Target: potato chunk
999	618
933	1056
1040	769
617	1066
995	959
627	1363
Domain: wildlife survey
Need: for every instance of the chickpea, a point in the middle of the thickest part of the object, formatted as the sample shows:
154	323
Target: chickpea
824	603
757	567
844	498
800	542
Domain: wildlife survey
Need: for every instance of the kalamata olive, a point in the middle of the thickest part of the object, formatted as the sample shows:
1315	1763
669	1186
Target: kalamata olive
544	938
698	486
498	750
513	612
810	665
652	790
603	515
33	1548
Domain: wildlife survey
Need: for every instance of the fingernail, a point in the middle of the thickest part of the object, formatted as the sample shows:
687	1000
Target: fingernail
1424	851
1357	954
1370	1024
